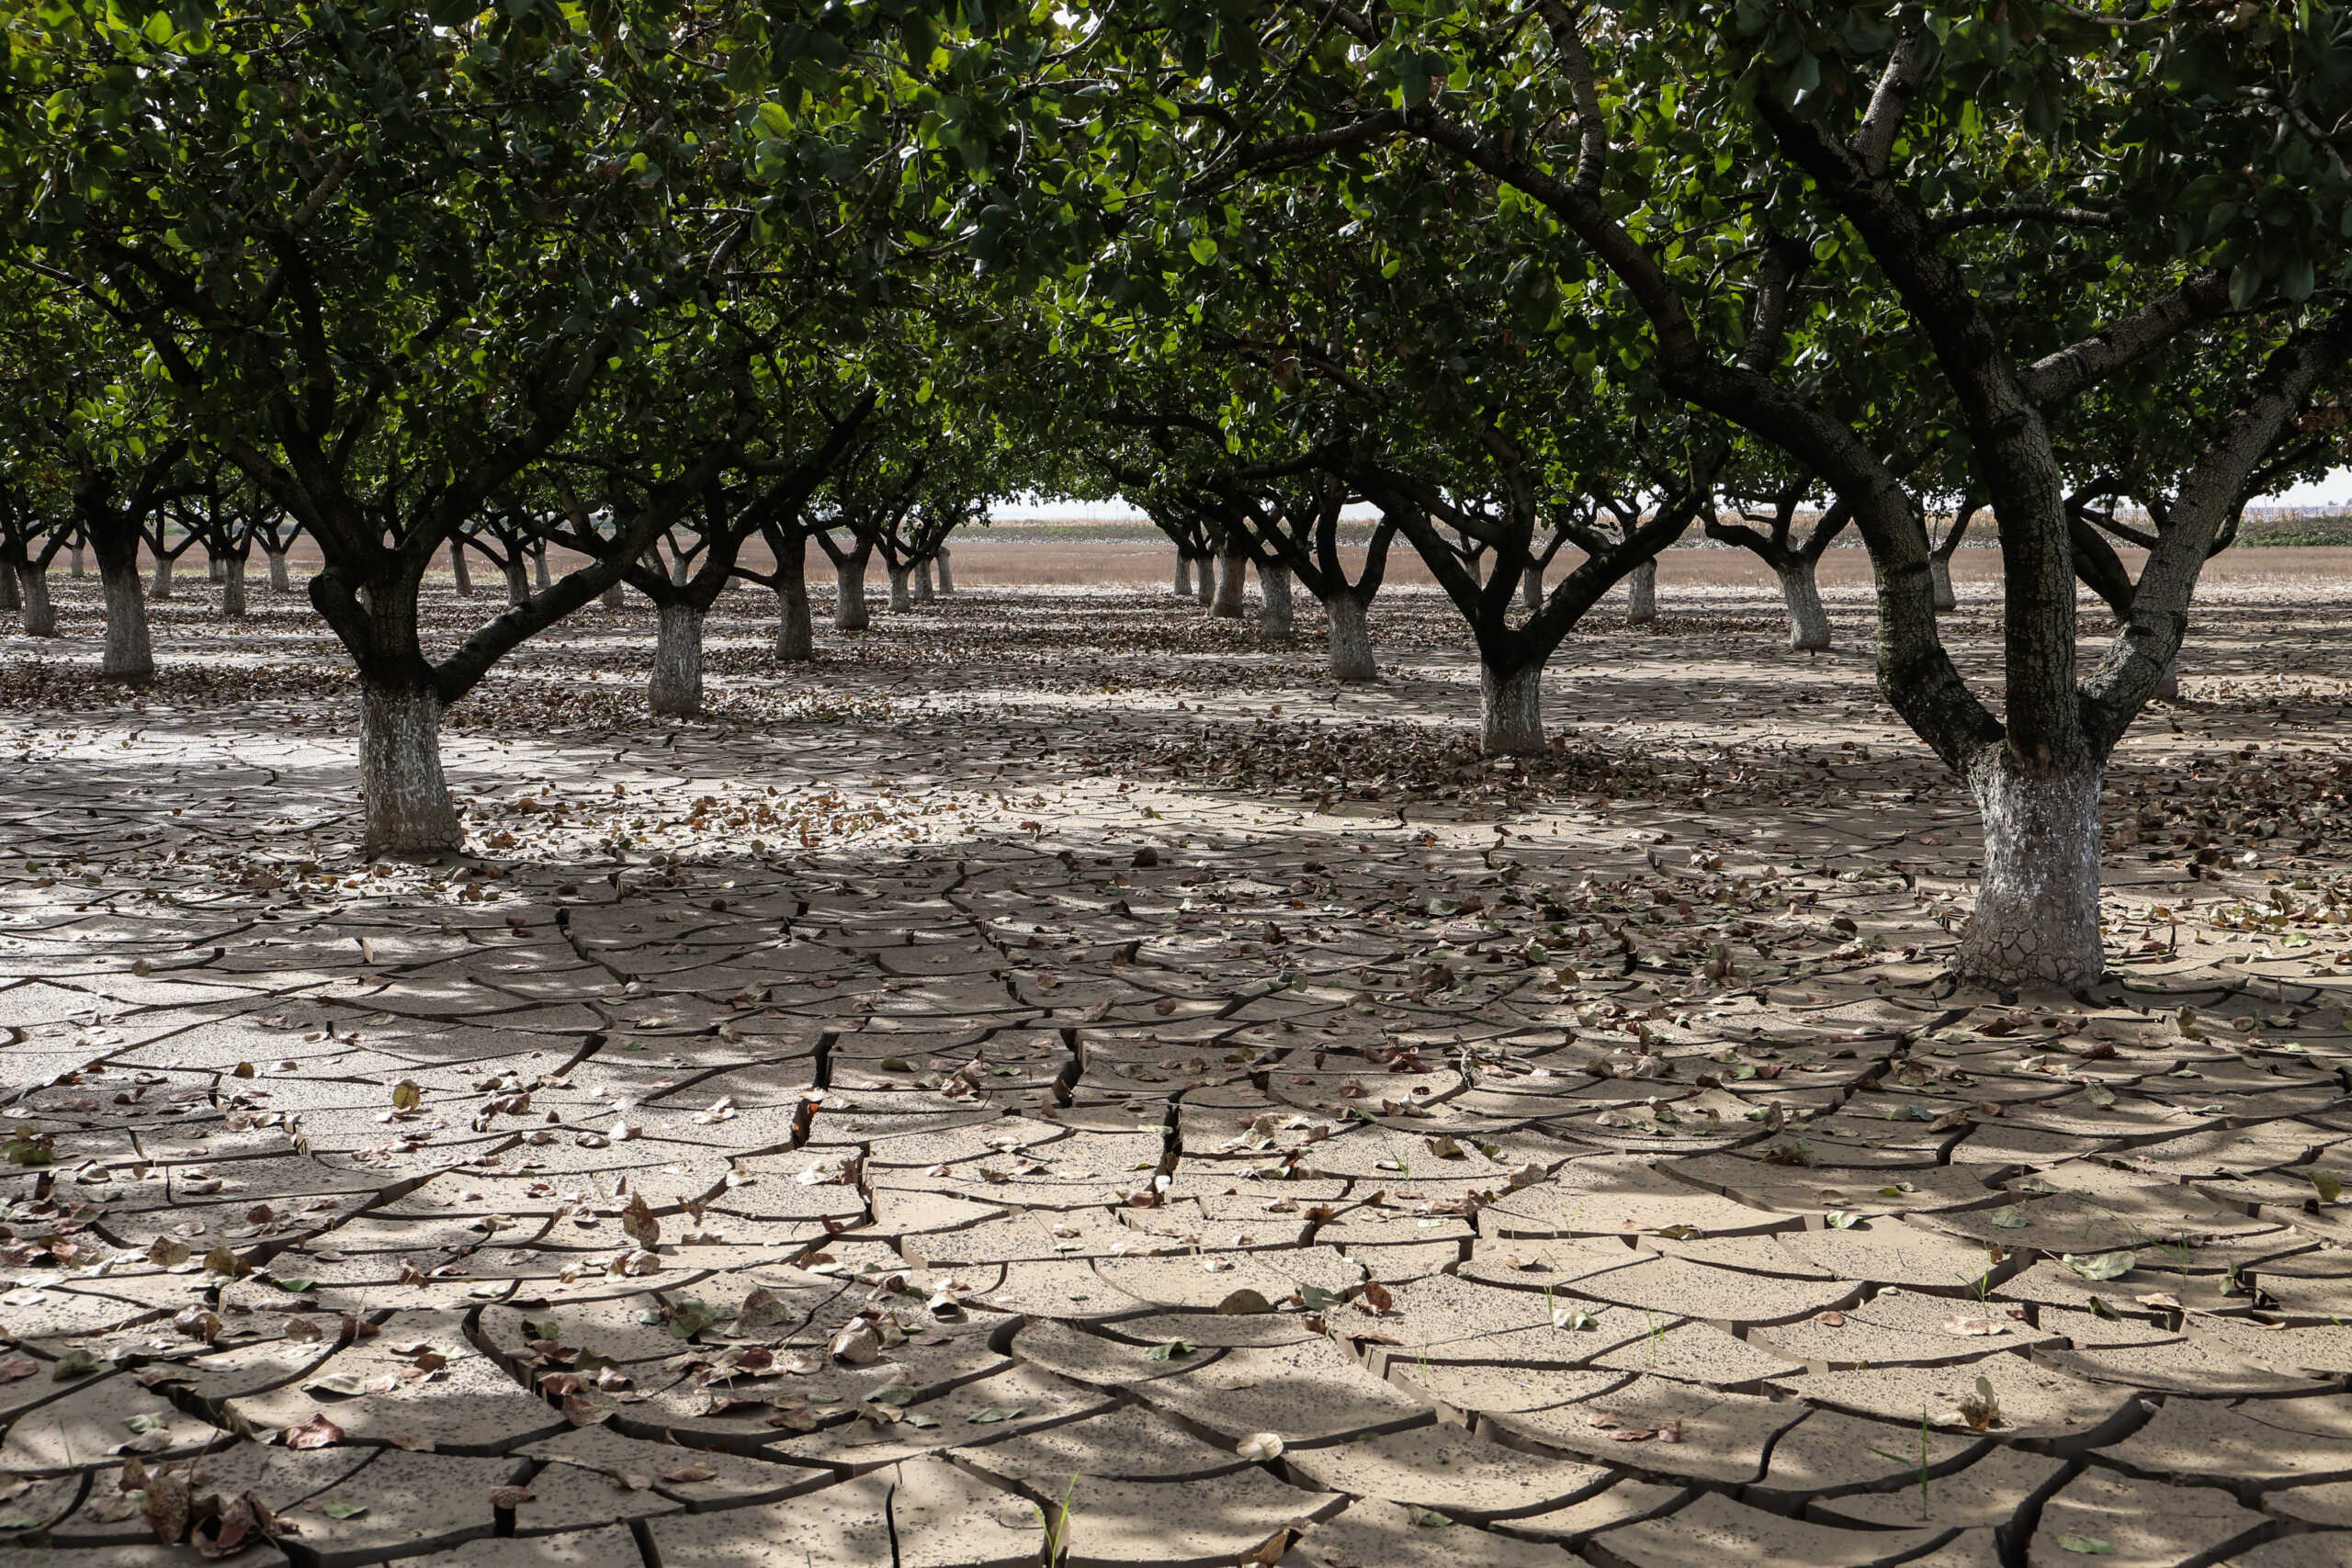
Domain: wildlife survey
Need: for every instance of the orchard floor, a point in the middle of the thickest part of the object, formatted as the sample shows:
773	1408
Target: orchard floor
1054	1075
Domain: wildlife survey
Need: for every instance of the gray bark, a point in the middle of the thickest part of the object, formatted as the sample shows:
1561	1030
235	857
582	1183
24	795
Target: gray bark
796	633
162	588
459	570
40	615
540	562
129	655
11	595
74	555
924	592
679	573
279	581
1531	589
613	599
2037	908
408	804
1232	587
1510	712
2168	683
676	689
1205	581
1349	638
1808	621
233	589
1641	594
946	572
849	601
1275	614
1940	580
900	600
518	580
1183	584
215	570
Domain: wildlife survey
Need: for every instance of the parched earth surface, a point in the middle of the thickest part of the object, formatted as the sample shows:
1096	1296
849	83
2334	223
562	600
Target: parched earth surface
1055	1076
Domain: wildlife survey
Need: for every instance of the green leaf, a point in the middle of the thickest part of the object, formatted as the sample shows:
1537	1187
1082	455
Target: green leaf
2100	1265
2088	1545
2010	1217
336	1508
1842	1219
1174	1350
2245	282
2328	1186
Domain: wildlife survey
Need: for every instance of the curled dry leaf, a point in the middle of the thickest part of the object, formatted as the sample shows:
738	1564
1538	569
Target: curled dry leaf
857	1343
510	1497
317	1432
1260	1446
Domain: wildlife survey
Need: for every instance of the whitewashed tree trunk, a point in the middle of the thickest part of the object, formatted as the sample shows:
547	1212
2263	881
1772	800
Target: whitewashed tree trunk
2037	908
900	600
849	601
162	588
459	570
946	572
796	633
1205	581
279	581
1531	589
233	589
518	580
1641	594
1940	580
676	689
1510	712
1232	587
1349	638
1275	614
539	565
924	592
1183	584
408	806
129	655
40	615
74	559
1808	621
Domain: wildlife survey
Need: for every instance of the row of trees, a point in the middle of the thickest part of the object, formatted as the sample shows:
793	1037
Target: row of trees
1545	284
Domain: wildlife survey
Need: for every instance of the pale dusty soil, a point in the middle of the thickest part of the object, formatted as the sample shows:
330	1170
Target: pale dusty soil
824	1133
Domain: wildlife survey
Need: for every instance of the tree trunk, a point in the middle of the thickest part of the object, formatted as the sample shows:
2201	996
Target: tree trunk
41	615
1349	638
1808	621
233	589
11	594
1531	590
946	572
409	808
1274	611
1940	579
679	574
924	592
1183	584
162	589
459	570
1641	594
2168	683
2037	910
216	570
129	655
849	595
279	581
675	690
74	555
1232	586
518	580
1205	579
613	598
900	601
1511	711
539	565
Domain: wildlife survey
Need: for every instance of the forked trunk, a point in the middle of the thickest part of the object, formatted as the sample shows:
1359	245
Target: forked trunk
1183	584
539	566
518	580
408	804
900	600
1349	636
925	592
1531	590
1808	621
233	589
849	595
1641	594
459	570
1205	579
1511	711
1940	580
279	581
676	689
1232	586
162	589
40	615
129	656
1275	612
2037	908
946	572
